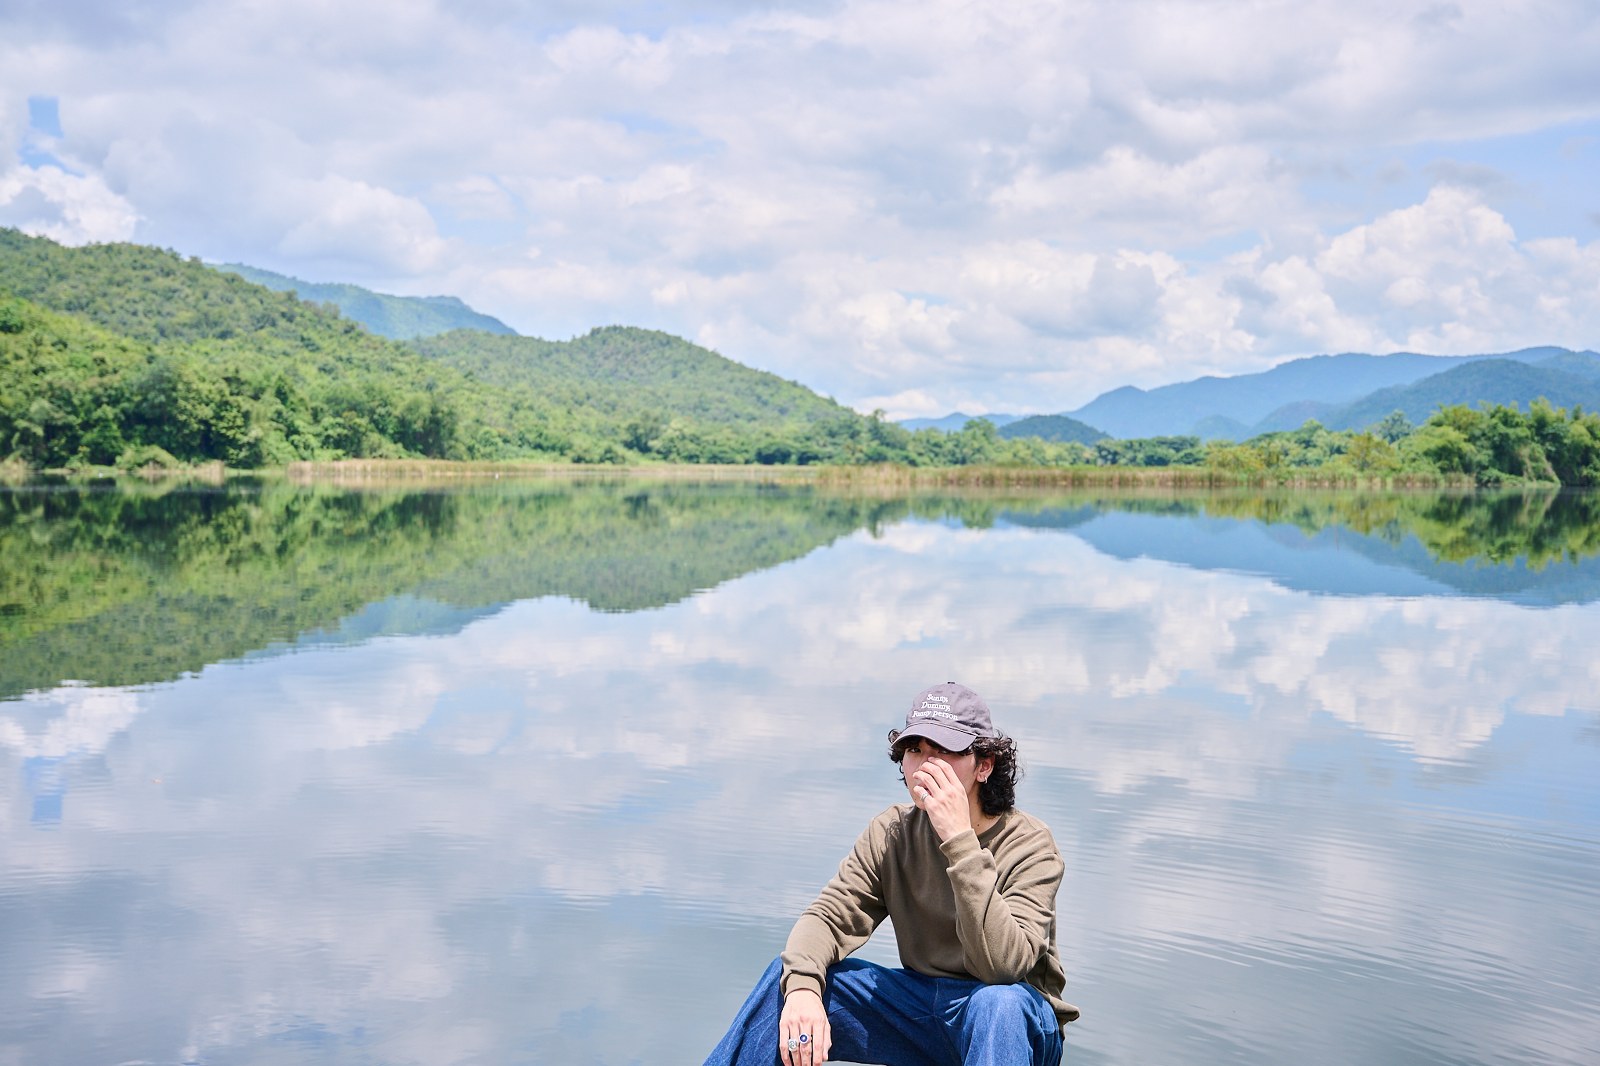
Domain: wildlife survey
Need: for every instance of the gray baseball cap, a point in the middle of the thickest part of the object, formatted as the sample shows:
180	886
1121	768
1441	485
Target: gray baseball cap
950	715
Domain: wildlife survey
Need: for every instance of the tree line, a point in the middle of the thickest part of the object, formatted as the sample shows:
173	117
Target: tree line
1488	446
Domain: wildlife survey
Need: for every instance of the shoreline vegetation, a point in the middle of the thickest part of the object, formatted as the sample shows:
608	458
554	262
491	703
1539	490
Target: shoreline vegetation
878	476
888	475
1132	477
1491	447
126	358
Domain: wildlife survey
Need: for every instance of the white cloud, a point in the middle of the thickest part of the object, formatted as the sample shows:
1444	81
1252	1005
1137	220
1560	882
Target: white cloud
1010	206
476	196
1128	195
73	719
352	222
911	403
47	201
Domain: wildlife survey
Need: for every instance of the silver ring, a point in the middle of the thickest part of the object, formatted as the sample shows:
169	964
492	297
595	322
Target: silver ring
805	1038
794	1045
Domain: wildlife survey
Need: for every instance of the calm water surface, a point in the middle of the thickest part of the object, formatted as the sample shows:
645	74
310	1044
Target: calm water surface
542	773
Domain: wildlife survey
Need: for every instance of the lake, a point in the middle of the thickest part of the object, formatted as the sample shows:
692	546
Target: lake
542	771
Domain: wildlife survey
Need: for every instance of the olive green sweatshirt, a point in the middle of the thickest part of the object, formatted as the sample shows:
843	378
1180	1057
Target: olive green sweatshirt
974	907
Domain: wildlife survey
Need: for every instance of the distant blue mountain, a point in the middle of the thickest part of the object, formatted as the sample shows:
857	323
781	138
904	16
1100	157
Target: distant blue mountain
952	422
1492	381
399	317
1315	387
1583	364
1219	427
1331	561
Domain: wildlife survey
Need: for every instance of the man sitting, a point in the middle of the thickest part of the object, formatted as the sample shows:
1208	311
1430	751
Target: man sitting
969	882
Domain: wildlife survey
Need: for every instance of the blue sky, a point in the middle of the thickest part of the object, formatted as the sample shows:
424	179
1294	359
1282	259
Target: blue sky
919	206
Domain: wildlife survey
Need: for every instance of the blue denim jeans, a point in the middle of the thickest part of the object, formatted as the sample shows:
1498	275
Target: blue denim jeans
902	1018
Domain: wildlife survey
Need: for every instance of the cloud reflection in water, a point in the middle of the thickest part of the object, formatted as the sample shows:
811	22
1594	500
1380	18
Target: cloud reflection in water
1328	828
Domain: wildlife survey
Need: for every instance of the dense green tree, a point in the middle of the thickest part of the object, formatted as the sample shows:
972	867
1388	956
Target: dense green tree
1150	451
976	442
1393	427
1368	453
1571	444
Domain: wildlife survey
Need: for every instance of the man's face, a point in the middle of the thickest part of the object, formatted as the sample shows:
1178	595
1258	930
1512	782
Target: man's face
968	769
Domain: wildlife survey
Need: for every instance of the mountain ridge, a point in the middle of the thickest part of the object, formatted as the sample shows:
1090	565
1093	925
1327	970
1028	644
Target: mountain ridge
652	366
954	421
1334	380
396	317
1341	391
1496	381
1052	427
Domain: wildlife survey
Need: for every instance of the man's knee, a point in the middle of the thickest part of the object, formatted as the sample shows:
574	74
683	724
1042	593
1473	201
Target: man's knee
1013	1021
1004	1003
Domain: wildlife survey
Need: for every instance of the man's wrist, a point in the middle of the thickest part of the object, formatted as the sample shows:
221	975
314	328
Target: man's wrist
799	982
960	845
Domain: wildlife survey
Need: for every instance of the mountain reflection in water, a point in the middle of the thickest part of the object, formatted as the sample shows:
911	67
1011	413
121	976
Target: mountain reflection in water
542	772
127	588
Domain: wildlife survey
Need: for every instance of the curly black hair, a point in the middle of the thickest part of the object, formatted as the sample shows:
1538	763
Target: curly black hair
998	794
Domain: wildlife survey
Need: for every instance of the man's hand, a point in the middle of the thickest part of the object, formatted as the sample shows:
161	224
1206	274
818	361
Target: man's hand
803	1014
938	791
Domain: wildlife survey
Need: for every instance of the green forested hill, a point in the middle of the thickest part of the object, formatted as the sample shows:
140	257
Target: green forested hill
157	296
124	353
618	391
57	371
1052	427
224	370
395	317
624	370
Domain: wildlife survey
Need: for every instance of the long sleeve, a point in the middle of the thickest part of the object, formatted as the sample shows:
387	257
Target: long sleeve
1004	929
965	908
843	916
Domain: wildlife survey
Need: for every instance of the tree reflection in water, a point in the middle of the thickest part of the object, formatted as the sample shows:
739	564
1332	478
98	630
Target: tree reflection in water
134	584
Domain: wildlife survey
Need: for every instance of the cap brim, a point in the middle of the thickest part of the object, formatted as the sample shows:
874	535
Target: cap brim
951	740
